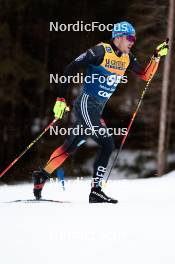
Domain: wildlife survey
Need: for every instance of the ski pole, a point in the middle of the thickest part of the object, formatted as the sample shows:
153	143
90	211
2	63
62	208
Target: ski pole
28	147
129	126
133	116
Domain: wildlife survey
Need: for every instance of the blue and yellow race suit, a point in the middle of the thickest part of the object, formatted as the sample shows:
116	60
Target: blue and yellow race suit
105	65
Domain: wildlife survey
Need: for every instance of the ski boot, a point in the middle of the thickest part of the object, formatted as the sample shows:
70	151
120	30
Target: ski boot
39	178
98	196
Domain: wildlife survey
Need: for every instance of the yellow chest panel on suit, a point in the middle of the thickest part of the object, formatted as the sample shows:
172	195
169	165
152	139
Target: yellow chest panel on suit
114	63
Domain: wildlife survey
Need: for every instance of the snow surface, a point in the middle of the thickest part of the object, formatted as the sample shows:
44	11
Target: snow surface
140	229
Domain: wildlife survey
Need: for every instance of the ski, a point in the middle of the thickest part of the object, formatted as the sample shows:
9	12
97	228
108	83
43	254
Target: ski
37	201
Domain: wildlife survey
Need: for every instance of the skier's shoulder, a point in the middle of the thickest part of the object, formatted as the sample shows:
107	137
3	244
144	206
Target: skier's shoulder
97	50
106	46
133	61
134	65
102	48
132	57
95	54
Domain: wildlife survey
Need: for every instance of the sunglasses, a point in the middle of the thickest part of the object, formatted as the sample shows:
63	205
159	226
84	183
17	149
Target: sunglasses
131	38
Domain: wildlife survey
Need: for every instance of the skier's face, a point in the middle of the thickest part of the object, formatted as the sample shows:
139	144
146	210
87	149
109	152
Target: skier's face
125	43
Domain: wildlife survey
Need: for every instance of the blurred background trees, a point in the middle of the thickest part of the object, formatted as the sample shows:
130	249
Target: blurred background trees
163	129
29	53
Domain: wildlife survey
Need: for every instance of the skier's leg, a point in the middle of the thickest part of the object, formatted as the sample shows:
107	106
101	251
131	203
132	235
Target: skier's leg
93	118
57	158
106	145
101	162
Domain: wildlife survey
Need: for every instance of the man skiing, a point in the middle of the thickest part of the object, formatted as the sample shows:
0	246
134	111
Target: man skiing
110	60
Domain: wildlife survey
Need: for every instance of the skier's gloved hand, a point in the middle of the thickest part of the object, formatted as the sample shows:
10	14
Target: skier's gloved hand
60	107
162	49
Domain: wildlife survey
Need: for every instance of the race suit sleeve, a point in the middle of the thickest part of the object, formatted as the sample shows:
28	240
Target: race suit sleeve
93	56
143	72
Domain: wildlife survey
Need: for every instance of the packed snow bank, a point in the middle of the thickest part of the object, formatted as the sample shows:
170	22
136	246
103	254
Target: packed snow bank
139	229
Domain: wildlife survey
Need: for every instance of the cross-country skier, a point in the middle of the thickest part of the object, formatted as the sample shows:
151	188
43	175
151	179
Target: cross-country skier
110	60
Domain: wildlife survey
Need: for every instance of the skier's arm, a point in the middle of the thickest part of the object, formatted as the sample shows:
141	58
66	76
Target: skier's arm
151	68
141	72
93	56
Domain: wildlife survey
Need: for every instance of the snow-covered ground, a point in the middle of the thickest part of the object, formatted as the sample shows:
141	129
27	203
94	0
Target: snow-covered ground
140	229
